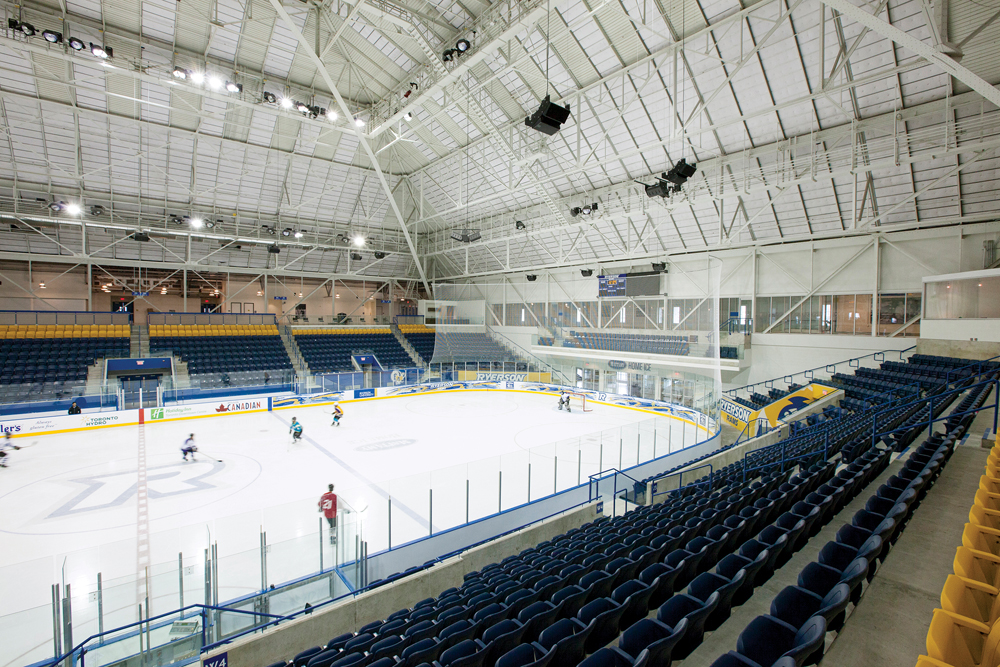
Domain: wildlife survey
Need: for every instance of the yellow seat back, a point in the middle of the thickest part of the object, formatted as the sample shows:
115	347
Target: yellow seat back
971	599
977	565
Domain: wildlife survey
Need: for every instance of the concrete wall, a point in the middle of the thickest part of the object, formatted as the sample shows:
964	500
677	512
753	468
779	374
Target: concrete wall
983	330
962	349
348	615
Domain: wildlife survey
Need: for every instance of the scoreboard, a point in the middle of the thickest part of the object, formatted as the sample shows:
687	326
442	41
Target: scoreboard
611	286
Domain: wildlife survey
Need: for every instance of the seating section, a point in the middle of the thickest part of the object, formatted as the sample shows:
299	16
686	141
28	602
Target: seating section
329	350
47	362
829	588
421	337
466	346
236	352
965	626
622	342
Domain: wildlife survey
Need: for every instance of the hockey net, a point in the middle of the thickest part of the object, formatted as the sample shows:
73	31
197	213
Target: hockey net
579	401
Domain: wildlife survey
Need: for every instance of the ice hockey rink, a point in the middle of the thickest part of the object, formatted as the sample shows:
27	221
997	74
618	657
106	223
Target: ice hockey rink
68	502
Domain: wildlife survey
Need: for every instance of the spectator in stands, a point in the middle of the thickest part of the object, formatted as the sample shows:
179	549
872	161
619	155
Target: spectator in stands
328	506
267	377
74	409
225	379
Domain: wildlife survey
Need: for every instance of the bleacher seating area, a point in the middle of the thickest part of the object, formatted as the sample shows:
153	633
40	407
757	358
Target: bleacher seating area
462	346
421	337
241	354
45	362
689	559
329	350
622	342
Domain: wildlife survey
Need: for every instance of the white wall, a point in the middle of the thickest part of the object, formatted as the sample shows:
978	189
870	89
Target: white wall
983	330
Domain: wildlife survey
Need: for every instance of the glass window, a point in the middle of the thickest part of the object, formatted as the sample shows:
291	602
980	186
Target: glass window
891	313
863	314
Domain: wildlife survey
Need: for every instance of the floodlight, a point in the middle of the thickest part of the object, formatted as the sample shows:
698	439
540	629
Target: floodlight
302	107
448	55
548	118
26	28
234	87
359	241
331	115
52	36
56	206
660	266
287	102
73	209
181	73
519	225
270	98
287	231
379	255
214	82
97	209
462	45
76	44
407	116
197	223
102	52
298	235
356	256
359	122
273	249
198	77
531	277
575	211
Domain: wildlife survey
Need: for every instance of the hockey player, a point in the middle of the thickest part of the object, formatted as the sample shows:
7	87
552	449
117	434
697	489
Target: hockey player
296	430
189	447
7	444
328	506
564	401
338	412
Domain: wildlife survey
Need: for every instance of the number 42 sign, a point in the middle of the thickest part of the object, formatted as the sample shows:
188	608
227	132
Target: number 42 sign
219	660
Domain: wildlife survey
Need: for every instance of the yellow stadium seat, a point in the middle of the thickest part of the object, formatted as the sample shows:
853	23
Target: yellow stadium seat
983	517
990	501
962	642
989	484
981	538
977	565
971	599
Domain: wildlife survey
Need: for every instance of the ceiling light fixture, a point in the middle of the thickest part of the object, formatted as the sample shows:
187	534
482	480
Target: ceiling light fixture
359	122
287	231
448	55
519	225
181	73
26	28
356	256
73	209
407	116
56	206
463	45
197	223
214	82
103	52
97	209
270	98
76	44
379	255
209	224
302	106
260	293
52	37
234	87
548	118
287	102
586	273
359	240
331	115
198	77
298	235
41	285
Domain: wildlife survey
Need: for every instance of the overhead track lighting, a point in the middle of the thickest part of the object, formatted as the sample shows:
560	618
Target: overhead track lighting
52	37
549	117
102	52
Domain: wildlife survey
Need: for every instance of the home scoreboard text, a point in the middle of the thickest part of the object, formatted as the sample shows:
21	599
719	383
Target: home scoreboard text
611	286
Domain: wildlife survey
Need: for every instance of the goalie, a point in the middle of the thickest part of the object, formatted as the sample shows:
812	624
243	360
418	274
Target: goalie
564	401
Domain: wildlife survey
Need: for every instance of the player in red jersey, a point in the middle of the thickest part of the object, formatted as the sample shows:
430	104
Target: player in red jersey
328	506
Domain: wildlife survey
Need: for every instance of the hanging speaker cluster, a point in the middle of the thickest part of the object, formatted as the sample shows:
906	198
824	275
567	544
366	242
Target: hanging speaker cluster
671	181
549	117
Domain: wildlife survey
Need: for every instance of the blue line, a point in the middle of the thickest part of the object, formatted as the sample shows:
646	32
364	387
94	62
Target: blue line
343	464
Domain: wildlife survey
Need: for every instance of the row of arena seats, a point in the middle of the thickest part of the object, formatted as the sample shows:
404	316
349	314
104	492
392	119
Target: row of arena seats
801	616
964	631
327	353
64	330
421	337
466	346
562	600
225	353
44	361
202	330
620	342
305	331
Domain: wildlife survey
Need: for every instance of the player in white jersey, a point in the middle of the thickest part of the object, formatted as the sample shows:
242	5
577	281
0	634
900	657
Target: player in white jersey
189	448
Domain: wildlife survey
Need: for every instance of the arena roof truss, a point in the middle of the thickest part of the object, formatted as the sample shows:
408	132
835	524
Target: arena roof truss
807	119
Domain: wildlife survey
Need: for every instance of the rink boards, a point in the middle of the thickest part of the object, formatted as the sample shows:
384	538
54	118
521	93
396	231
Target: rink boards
48	425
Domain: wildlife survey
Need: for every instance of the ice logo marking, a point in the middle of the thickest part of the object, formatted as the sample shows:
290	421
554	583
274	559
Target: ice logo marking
385	444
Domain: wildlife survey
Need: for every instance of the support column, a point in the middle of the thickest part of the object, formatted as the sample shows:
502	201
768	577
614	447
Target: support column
877	249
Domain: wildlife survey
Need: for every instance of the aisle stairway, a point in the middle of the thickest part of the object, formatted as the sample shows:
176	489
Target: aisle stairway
410	350
298	362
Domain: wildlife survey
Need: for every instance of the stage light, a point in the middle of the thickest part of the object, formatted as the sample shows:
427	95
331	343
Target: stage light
531	278
52	36
299	235
73	209
549	117
287	103
209	224
141	237
331	115
586	209
359	241
26	28
356	256
270	98
214	82
197	223
56	206
660	266
575	211
269	230
586	273
97	209
76	44
287	231
197	77
466	235
519	225
407	116
181	73
102	52
302	107
462	45
359	122
234	87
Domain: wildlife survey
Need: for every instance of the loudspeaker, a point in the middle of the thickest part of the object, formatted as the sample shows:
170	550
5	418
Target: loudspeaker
273	249
549	117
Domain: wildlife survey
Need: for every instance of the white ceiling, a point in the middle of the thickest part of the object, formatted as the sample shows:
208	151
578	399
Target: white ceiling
798	131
